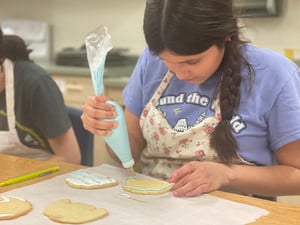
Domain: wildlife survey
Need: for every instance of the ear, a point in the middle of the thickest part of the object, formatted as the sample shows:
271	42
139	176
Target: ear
227	38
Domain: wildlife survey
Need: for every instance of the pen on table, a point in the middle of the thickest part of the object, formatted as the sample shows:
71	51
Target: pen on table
29	176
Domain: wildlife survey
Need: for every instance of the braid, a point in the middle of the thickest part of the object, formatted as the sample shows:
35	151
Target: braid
222	139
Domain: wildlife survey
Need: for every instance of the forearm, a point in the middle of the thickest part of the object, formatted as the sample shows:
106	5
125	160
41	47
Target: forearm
267	181
70	157
65	148
58	158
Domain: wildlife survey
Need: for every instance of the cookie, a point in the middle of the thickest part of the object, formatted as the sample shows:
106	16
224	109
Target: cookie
146	186
83	179
13	207
65	211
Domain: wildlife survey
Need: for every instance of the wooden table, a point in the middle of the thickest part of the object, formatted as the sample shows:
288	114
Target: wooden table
11	166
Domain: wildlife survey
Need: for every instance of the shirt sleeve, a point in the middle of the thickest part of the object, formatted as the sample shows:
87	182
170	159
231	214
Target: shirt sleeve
47	108
284	120
133	92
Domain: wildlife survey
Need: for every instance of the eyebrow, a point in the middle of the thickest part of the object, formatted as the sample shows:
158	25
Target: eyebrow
185	61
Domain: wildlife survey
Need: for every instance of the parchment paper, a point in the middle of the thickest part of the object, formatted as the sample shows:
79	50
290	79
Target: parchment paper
163	209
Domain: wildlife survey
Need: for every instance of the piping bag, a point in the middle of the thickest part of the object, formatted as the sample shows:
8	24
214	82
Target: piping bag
98	44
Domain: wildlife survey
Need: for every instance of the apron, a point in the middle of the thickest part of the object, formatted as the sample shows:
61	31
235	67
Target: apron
10	143
167	149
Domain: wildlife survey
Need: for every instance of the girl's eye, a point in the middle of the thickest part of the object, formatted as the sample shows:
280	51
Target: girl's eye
192	62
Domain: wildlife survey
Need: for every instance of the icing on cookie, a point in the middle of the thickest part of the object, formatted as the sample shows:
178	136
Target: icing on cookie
8	198
146	186
5	199
13	207
89	179
6	214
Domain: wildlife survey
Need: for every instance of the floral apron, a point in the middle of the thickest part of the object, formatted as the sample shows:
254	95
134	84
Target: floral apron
166	149
9	140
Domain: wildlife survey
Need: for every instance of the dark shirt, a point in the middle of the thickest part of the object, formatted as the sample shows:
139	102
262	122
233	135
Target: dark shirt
39	106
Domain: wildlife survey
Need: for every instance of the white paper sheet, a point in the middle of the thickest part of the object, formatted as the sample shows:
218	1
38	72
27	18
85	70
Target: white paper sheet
163	209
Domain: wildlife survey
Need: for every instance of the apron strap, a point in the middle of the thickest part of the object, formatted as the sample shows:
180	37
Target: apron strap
10	94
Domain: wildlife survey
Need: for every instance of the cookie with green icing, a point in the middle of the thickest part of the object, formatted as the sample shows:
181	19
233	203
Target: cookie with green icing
146	186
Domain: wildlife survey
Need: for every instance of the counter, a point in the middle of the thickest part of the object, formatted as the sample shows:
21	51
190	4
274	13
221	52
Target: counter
113	76
279	214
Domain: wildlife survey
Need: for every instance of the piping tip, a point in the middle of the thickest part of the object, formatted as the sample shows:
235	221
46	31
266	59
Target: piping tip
132	172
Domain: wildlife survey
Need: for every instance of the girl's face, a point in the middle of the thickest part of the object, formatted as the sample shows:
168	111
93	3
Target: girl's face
194	69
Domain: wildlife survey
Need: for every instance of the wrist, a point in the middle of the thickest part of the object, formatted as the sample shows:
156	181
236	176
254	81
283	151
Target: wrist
230	175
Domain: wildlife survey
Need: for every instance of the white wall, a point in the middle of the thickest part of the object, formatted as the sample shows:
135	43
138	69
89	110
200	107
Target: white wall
71	20
277	33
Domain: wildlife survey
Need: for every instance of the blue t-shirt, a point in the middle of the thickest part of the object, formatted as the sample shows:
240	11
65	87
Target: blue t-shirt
267	118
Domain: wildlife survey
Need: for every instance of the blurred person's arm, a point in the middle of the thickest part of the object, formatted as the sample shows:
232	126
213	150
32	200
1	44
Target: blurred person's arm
65	147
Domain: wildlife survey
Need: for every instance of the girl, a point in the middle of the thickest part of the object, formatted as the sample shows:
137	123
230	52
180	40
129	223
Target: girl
205	109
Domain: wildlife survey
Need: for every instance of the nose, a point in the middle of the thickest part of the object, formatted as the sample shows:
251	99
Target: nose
181	74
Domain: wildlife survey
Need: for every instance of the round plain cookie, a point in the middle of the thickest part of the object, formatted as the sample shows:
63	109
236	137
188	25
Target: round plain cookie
146	186
83	179
65	211
13	207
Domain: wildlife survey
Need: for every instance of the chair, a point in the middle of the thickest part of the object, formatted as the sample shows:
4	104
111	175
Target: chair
85	138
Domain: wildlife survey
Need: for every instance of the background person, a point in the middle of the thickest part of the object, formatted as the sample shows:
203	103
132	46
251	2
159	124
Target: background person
33	119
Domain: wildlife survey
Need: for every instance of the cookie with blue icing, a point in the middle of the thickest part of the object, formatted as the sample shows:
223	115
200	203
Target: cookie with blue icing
146	186
84	179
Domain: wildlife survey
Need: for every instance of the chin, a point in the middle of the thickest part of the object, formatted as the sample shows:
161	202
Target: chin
195	81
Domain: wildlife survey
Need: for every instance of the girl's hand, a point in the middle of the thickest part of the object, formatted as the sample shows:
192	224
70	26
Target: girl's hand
196	178
95	112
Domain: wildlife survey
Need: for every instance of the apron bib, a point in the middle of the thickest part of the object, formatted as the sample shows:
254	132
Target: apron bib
10	143
167	149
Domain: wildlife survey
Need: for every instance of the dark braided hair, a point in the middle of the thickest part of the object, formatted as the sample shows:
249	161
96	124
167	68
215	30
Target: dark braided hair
188	27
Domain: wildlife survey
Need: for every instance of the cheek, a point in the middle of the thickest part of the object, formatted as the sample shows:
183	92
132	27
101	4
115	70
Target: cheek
207	68
202	70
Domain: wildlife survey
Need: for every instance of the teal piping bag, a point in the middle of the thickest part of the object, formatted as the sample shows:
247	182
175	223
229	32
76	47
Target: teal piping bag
98	44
